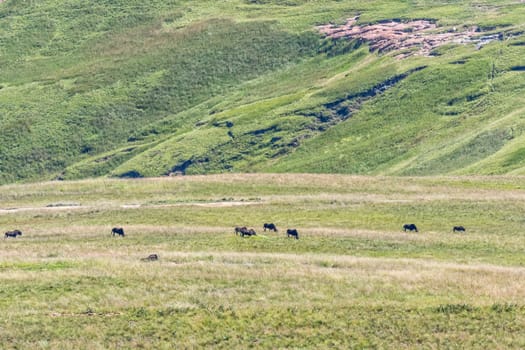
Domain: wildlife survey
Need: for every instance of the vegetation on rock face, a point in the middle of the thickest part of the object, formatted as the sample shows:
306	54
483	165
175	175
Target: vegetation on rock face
120	88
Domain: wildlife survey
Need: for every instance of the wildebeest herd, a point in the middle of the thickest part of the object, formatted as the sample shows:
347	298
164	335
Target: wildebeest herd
244	231
241	231
413	227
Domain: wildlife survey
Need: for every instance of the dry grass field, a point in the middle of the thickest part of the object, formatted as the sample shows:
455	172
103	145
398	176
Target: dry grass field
354	279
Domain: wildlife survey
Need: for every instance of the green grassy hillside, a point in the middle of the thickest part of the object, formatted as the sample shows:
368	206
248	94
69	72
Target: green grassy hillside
129	88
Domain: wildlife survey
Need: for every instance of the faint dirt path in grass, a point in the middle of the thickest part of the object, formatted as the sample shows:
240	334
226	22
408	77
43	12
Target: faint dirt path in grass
125	206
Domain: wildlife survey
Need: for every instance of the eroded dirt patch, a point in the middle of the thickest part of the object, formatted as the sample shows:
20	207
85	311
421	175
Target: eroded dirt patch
419	37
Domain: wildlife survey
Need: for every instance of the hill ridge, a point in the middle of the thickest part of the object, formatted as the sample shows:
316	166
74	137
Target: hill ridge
203	88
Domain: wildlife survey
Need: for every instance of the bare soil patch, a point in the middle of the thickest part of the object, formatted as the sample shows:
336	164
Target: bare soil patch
419	37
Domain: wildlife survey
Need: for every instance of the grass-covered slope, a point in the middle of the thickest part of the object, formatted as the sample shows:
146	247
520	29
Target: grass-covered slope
140	89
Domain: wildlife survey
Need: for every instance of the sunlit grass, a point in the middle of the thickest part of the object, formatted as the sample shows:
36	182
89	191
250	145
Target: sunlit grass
346	283
131	88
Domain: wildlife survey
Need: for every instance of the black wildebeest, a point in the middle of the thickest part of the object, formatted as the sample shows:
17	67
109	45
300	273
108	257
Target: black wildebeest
239	230
458	229
410	227
244	231
13	233
117	231
151	257
248	232
292	233
270	227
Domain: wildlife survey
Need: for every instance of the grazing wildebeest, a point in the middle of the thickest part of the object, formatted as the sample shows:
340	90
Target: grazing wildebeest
410	227
151	257
117	231
270	227
292	233
13	233
244	231
458	229
248	232
239	230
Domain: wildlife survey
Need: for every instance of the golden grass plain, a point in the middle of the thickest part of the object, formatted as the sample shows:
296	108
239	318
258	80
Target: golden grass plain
349	280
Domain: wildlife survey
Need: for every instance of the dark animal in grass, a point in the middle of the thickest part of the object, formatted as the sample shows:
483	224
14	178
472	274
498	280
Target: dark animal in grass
458	229
248	232
292	233
239	230
117	231
151	257
243	231
410	227
13	233
270	227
